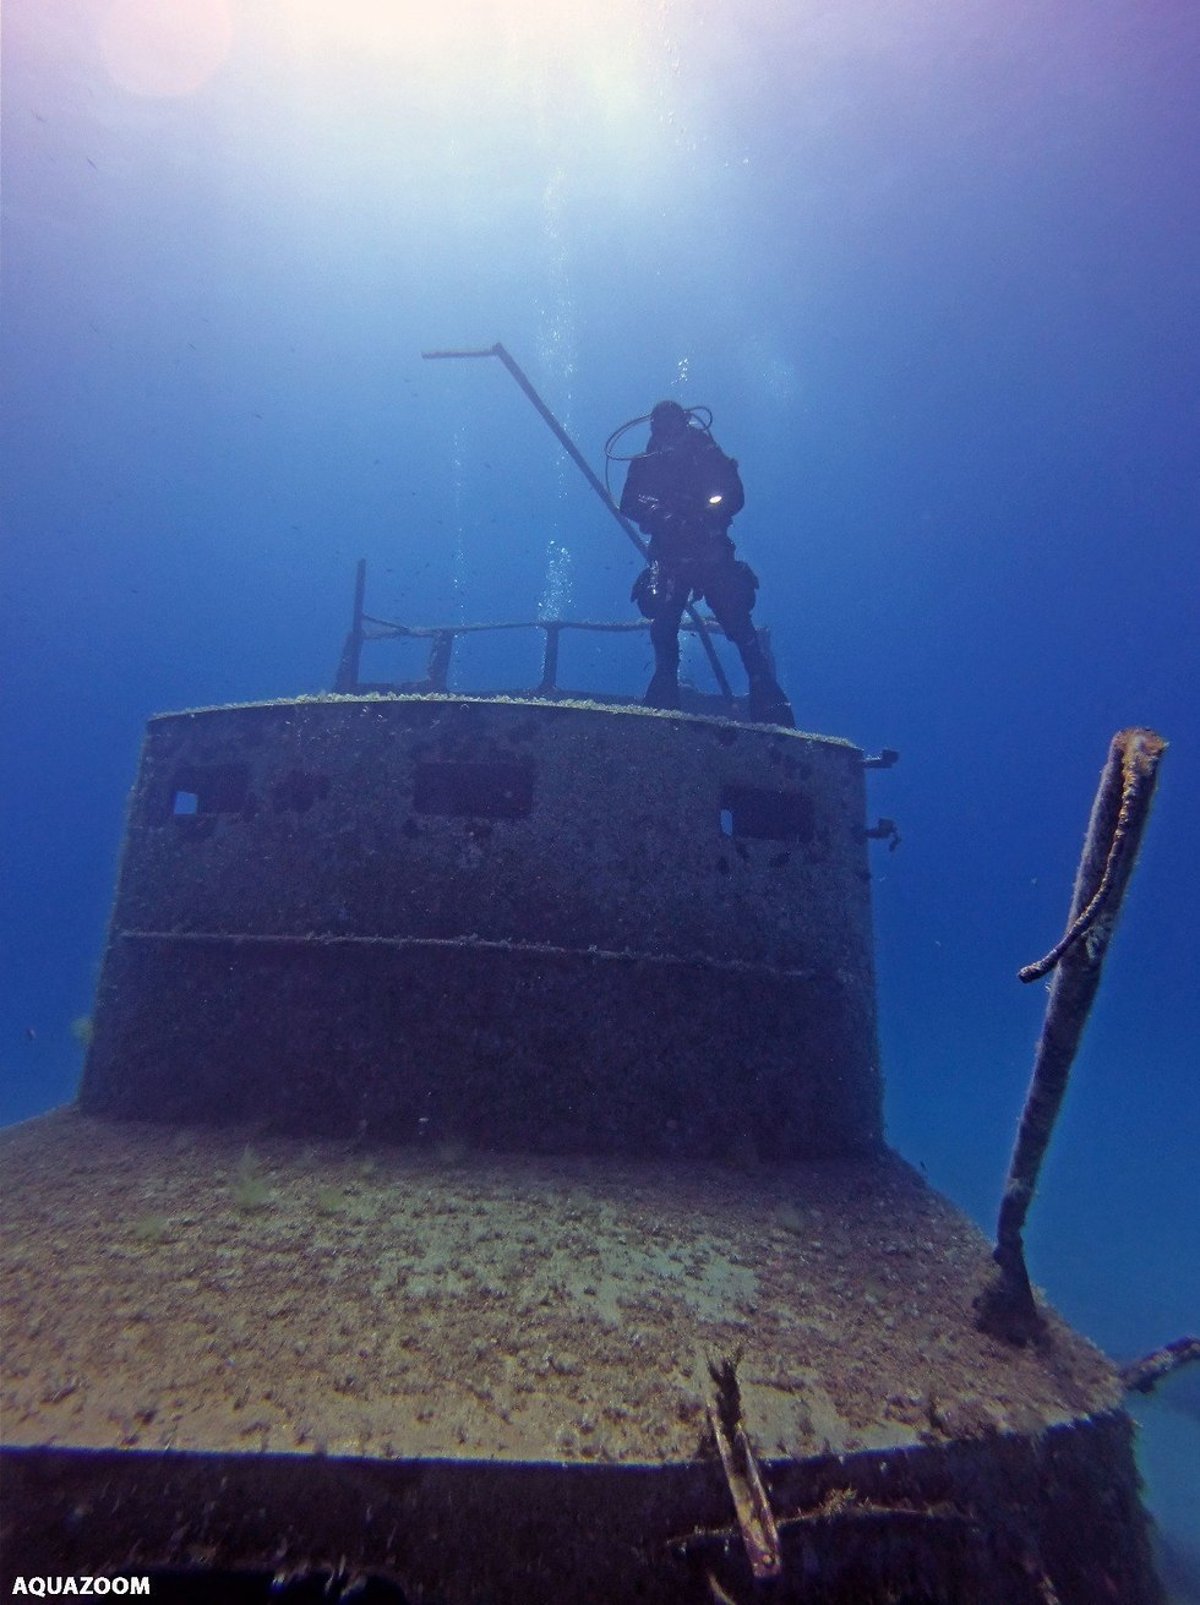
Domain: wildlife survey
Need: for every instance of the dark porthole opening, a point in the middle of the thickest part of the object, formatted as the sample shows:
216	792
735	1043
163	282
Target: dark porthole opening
760	815
474	790
219	789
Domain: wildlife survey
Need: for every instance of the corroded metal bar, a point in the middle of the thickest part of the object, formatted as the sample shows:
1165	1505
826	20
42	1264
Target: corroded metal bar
1144	1375
1114	833
755	1519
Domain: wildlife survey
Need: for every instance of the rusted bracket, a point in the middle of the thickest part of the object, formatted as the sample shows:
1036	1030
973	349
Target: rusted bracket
885	831
753	1509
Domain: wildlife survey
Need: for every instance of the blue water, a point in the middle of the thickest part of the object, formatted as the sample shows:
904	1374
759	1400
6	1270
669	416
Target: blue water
934	267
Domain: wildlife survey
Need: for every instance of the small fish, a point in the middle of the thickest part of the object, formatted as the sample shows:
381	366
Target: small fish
30	1034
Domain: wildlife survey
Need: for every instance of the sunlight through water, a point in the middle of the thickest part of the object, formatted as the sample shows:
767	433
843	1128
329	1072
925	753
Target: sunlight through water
162	50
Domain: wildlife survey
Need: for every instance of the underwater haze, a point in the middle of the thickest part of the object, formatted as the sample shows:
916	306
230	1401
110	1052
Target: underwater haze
935	267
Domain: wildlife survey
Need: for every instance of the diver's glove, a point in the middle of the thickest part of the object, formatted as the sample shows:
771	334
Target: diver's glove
647	590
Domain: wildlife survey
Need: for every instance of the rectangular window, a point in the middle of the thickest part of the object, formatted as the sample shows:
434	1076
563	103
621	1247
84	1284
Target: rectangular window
474	790
779	816
221	789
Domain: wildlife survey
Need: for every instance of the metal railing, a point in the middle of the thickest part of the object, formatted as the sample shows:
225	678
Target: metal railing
442	638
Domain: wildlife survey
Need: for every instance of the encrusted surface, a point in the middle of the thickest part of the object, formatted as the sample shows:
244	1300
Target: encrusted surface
637	710
225	1290
316	823
544	927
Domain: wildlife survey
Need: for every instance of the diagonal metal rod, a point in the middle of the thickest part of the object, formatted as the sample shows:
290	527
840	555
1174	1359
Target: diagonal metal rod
581	462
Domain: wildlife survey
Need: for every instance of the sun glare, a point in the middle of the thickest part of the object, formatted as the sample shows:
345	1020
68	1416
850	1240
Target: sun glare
162	49
529	51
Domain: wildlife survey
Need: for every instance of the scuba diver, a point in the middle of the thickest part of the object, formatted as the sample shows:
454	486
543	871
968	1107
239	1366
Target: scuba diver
683	492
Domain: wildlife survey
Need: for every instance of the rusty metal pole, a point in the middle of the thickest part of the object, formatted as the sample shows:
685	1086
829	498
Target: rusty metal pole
1006	1308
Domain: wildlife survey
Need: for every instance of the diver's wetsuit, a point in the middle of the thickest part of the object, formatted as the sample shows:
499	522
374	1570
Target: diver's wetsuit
683	493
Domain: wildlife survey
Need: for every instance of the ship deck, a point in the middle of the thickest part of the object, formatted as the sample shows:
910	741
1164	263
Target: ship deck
228	1291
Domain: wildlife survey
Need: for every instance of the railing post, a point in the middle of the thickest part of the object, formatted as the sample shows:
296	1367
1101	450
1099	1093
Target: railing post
346	681
550	661
439	659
